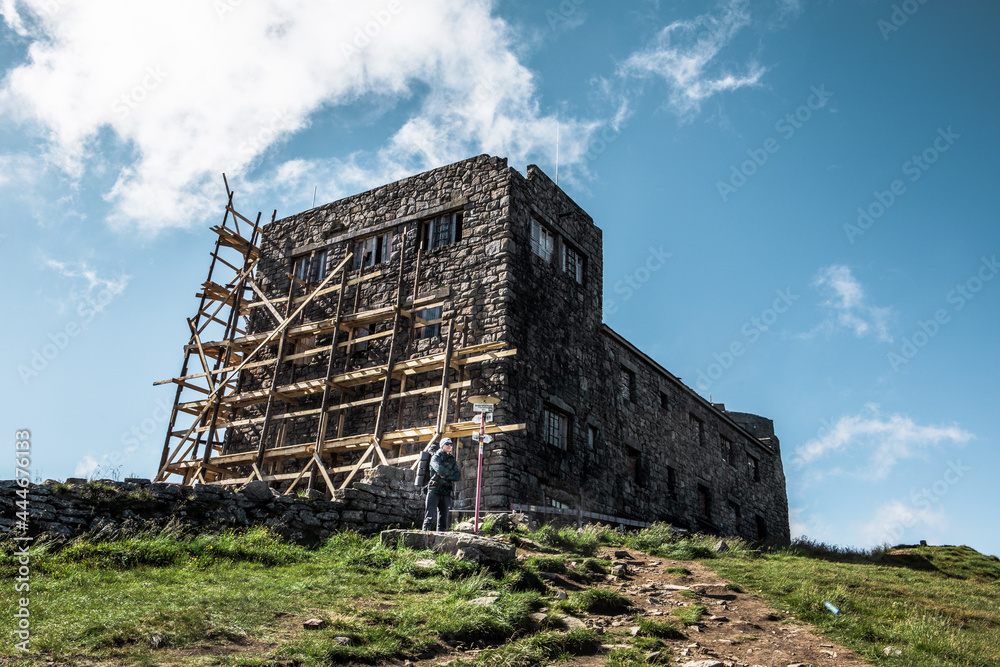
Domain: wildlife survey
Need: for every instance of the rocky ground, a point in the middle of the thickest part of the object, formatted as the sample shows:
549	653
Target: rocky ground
739	630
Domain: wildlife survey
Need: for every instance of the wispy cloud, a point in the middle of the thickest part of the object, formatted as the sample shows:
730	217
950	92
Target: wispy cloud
881	441
685	54
113	74
81	271
891	520
849	307
86	467
8	10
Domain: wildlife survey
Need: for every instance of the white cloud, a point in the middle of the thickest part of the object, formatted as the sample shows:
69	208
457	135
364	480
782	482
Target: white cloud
684	55
193	88
8	10
849	306
80	271
85	468
809	526
883	441
893	519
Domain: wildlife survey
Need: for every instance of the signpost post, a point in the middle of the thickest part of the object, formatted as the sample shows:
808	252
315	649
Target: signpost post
482	406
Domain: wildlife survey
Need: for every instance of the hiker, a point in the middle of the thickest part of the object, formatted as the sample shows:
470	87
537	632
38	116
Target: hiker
443	471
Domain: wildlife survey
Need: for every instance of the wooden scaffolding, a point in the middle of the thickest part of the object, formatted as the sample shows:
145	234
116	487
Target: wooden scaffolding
227	357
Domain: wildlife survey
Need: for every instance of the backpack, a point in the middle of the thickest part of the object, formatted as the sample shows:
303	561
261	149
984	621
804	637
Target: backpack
424	467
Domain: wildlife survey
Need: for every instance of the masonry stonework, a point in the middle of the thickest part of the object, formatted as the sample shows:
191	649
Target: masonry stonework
607	429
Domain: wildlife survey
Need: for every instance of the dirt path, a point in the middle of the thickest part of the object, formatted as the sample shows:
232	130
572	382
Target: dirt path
739	630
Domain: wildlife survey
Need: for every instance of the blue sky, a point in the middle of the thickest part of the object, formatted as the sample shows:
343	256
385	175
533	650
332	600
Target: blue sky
820	174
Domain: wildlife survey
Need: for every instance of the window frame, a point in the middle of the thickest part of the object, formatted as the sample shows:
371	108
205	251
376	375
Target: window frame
433	317
576	271
442	230
373	250
311	268
555	428
543	241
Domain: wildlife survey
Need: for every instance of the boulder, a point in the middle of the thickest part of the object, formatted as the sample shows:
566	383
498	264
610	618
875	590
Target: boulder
257	492
490	549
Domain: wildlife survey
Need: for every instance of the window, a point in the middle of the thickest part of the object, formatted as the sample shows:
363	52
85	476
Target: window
664	401
633	463
735	509
761	528
372	251
591	437
704	501
573	263
729	451
310	268
754	468
699	429
543	242
627	384
442	231
427	323
555	428
360	332
671	479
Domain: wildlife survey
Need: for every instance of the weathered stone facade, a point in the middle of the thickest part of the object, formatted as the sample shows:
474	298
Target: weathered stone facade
607	428
384	498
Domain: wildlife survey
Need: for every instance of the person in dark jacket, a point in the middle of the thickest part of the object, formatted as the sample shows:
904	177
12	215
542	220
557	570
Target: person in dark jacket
443	472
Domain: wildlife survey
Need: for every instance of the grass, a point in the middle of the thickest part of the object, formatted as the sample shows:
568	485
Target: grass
163	597
936	604
130	599
690	615
602	601
661	629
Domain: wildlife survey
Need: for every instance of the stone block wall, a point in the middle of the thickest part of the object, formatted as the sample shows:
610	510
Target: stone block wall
384	498
638	444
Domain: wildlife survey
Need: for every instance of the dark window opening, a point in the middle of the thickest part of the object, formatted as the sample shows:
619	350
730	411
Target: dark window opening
428	323
441	231
664	401
754	468
671	479
633	464
735	509
627	384
761	528
555	428
729	451
372	251
310	268
573	263
699	428
704	501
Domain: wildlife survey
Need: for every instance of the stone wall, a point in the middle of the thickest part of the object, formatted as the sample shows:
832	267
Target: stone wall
384	498
639	443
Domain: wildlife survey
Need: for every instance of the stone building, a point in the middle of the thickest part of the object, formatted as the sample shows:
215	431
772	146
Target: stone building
512	258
